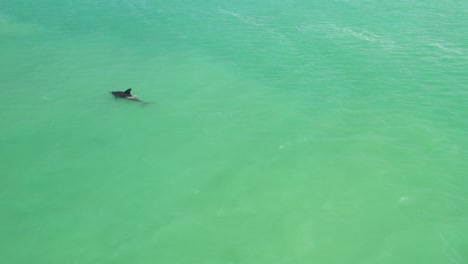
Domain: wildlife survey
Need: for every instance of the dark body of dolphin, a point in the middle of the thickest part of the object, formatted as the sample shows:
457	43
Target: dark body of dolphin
127	95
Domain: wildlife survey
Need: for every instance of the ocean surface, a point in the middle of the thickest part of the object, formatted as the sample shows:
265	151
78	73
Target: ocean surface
281	132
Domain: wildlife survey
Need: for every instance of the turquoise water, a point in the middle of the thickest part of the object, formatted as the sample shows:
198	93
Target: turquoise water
282	132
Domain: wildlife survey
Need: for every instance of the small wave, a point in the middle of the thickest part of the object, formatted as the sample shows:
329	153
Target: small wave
449	249
281	38
360	34
334	31
137	9
447	50
248	20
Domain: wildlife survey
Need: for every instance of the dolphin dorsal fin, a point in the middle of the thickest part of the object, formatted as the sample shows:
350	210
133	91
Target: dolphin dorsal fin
128	91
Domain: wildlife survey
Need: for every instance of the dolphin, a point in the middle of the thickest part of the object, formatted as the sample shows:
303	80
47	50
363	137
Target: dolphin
127	95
